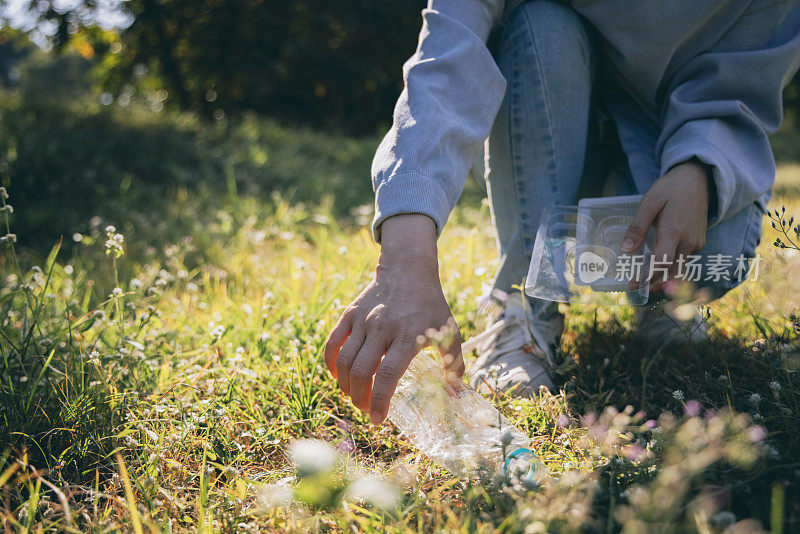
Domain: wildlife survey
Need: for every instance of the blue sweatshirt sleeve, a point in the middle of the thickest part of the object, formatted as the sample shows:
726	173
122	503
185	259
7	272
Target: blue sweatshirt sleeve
721	107
453	91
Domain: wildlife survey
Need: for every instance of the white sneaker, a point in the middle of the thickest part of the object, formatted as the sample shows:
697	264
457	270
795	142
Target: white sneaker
516	352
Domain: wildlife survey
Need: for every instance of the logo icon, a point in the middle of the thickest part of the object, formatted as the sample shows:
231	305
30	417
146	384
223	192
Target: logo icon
590	267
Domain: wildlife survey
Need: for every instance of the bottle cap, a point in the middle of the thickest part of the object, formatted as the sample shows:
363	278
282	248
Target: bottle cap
521	465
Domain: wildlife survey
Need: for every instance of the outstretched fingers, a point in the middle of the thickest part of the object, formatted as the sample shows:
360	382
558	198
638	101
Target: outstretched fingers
347	355
364	367
337	338
391	368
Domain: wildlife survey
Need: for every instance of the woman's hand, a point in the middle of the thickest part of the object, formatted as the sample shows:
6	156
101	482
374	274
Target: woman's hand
677	207
403	301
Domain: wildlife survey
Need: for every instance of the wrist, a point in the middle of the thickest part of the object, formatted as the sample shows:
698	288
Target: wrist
408	239
705	175
702	175
697	169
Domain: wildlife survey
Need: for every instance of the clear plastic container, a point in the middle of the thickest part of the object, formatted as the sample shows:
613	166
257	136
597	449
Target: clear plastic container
455	426
577	256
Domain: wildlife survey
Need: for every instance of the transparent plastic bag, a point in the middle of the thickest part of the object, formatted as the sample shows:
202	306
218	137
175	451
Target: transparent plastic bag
577	256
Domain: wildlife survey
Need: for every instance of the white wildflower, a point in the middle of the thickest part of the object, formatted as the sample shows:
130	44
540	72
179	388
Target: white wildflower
379	493
755	399
312	456
114	241
217	331
277	495
678	395
116	292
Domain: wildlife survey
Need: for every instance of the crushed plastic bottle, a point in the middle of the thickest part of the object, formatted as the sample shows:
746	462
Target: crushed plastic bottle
451	423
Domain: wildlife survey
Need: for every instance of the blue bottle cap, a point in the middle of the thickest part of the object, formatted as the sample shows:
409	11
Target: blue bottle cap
522	465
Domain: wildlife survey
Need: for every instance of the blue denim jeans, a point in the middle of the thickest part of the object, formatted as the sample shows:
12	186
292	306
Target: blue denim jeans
551	142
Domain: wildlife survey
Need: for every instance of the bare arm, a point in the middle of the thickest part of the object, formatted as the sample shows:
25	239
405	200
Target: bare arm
377	334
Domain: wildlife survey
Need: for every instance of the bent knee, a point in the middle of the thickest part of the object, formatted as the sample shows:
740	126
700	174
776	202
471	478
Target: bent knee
555	26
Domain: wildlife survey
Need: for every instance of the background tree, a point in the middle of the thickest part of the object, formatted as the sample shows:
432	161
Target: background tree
306	61
310	61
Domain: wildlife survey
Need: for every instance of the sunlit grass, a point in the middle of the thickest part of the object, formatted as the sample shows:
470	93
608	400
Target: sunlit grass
171	403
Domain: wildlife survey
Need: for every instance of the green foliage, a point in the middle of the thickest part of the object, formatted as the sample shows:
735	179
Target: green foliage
334	64
69	160
201	365
192	347
323	63
49	403
14	46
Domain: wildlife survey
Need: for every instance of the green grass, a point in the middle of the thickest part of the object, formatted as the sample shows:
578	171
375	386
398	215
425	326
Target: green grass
172	405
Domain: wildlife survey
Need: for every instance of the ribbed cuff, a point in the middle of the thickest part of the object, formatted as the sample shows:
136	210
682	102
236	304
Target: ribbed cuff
410	192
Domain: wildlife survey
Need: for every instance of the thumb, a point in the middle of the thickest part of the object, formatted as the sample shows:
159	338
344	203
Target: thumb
646	213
